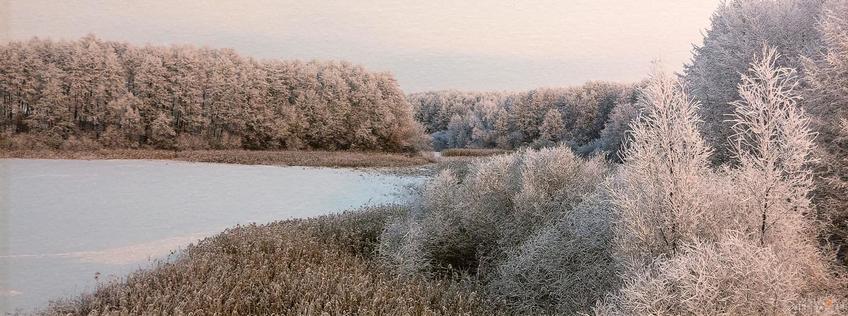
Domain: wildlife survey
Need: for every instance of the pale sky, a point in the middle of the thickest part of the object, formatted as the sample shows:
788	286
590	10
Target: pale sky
427	45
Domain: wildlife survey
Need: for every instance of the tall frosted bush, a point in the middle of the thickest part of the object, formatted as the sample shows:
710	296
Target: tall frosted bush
734	276
553	181
563	268
468	223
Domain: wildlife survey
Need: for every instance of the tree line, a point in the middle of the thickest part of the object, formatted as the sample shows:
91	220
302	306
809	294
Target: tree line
91	92
541	117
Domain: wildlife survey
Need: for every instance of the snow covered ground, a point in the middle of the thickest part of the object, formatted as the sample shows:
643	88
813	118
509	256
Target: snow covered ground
64	223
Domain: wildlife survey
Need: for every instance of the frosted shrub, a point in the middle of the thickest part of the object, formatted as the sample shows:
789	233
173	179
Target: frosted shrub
565	267
434	229
555	177
440	193
434	234
441	231
446	239
732	277
401	246
491	186
467	223
553	181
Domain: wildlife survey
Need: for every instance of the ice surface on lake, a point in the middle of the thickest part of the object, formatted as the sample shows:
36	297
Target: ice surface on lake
63	221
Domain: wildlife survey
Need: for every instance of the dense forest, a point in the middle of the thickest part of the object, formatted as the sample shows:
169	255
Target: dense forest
540	117
92	93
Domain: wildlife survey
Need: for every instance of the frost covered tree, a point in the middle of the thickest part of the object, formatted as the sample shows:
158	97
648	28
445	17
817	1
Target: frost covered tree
552	128
662	200
125	126
512	120
502	130
51	115
614	135
738	30
773	145
161	132
458	132
826	99
743	238
52	91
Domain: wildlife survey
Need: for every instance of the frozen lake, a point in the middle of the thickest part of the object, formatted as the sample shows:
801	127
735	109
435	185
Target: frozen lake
64	221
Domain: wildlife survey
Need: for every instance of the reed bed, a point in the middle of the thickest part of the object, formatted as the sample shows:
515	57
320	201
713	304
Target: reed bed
322	266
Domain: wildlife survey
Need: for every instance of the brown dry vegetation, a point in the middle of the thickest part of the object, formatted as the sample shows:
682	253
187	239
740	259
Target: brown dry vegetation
313	266
473	152
247	157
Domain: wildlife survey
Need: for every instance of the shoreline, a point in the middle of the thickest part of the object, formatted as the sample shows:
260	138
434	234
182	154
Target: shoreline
301	158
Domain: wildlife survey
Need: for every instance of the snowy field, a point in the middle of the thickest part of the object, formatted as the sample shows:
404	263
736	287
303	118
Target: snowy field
64	223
